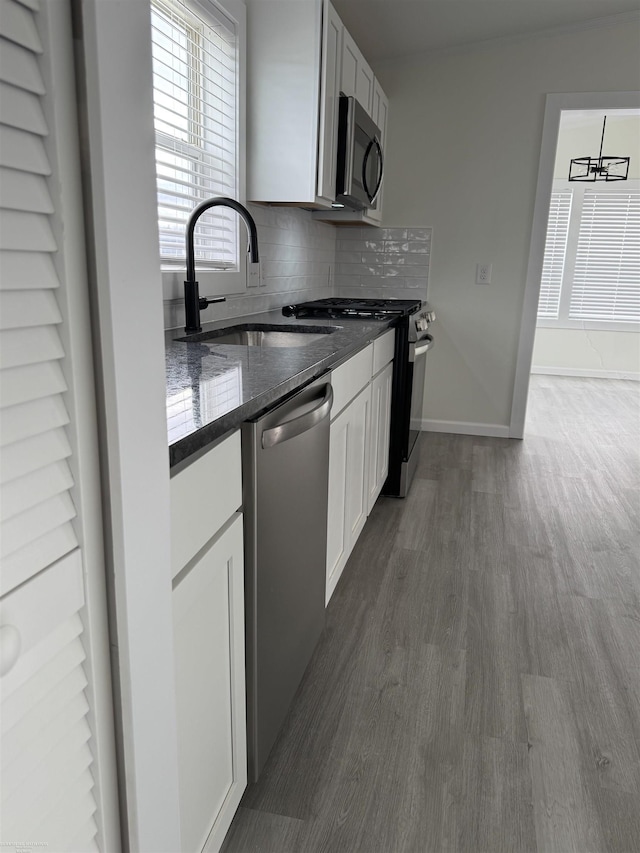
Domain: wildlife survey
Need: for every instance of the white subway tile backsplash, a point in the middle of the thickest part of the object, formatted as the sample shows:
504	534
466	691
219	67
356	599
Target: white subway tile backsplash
383	262
304	259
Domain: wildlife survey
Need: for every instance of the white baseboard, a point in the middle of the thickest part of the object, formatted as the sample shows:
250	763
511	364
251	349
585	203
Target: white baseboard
465	428
586	372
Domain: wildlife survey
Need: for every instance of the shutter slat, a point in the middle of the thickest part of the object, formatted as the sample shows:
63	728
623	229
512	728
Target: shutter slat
34	452
24	797
34	5
22	191
33	691
26	492
48	514
85	840
46	642
43	343
27	271
22	384
28	419
56	728
37	555
22	110
29	232
22	151
60	824
69	691
74	805
19	67
17	25
26	310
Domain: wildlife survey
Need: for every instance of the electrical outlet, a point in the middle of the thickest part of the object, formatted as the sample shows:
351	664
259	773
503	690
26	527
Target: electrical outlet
483	273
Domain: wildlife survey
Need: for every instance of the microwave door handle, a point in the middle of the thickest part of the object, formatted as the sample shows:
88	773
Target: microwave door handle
372	196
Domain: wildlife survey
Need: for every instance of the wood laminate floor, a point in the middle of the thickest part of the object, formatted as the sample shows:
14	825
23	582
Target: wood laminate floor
478	684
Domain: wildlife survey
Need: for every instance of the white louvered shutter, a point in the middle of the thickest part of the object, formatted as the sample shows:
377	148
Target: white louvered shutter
195	87
47	784
606	283
554	254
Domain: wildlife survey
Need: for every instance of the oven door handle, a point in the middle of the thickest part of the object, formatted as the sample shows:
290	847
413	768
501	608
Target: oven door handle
420	348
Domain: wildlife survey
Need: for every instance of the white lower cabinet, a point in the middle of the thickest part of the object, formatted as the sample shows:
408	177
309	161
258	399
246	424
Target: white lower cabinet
348	462
358	448
208	637
208	624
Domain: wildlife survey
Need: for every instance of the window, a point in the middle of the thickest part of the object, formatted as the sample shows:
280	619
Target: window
591	268
554	254
198	118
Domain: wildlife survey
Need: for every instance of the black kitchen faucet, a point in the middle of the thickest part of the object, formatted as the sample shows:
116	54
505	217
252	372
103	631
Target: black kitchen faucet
193	302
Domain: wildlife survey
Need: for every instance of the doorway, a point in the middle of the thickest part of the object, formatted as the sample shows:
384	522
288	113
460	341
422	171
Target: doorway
556	106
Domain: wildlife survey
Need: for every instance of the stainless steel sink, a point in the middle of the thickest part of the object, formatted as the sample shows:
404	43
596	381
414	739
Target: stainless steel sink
263	335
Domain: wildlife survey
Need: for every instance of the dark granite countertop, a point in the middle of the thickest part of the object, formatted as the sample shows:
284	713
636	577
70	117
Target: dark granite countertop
212	388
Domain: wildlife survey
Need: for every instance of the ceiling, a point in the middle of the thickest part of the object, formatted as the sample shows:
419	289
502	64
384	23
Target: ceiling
386	29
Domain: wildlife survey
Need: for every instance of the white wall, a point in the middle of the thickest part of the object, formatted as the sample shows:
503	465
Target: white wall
462	156
587	352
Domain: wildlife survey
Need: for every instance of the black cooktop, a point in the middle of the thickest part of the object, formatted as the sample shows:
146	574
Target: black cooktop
339	307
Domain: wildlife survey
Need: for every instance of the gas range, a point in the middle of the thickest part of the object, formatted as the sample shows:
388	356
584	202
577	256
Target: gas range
411	319
372	309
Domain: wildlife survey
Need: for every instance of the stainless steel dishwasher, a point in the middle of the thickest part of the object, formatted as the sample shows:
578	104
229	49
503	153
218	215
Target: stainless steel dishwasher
285	480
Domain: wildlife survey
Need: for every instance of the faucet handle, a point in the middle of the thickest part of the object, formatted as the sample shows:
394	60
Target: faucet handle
204	301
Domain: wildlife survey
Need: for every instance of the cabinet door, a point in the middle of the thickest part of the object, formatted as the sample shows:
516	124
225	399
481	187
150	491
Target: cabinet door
356	77
379	115
358	465
379	433
348	484
330	90
208	624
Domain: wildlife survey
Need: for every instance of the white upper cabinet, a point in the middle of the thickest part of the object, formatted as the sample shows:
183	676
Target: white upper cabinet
292	106
356	78
300	57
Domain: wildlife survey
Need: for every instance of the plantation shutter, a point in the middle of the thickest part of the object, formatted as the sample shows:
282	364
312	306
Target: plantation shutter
606	282
36	509
554	254
47	785
195	82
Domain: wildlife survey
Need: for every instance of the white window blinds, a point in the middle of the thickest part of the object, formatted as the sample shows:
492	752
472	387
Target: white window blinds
554	254
606	283
195	84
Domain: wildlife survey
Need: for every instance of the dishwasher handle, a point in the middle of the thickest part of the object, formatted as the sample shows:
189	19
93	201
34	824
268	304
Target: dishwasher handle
296	426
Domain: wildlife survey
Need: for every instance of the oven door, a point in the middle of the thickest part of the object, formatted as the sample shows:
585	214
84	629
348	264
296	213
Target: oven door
417	367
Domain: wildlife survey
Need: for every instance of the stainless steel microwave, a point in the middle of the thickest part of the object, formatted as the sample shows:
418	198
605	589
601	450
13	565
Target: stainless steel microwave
360	164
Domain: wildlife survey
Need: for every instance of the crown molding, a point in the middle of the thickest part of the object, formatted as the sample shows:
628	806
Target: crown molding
607	22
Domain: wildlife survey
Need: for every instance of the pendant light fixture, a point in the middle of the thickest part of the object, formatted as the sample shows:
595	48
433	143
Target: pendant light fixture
599	168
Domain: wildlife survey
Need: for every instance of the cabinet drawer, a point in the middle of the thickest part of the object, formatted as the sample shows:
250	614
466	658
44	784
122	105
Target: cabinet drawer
383	350
203	496
350	378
